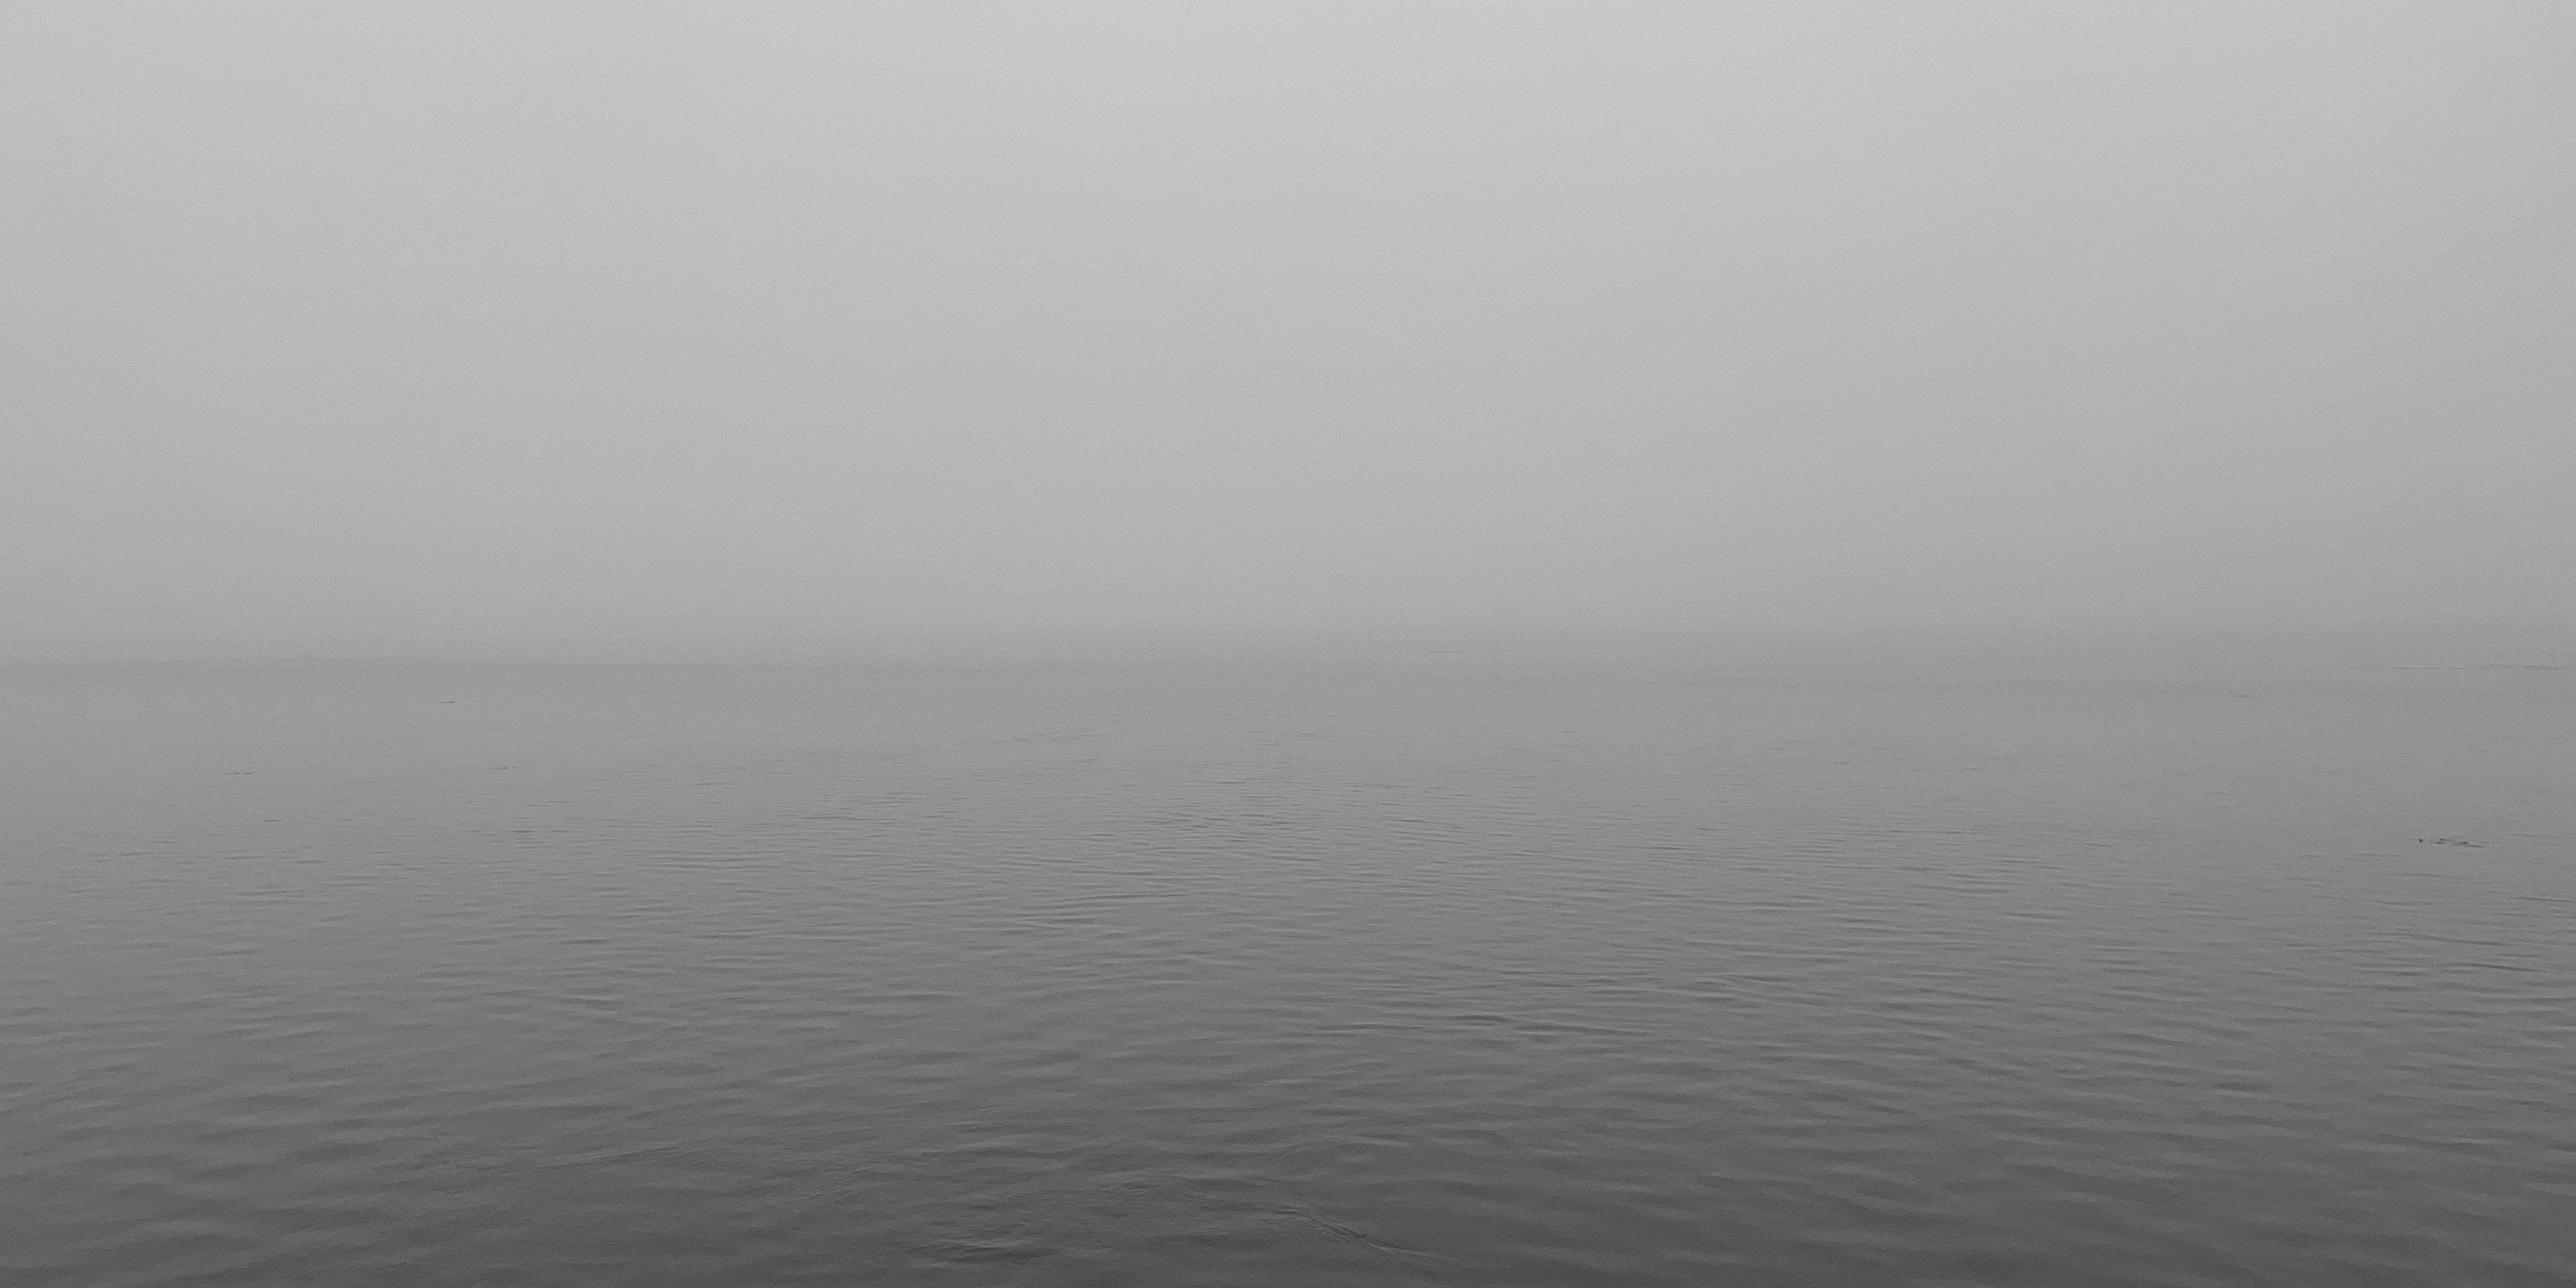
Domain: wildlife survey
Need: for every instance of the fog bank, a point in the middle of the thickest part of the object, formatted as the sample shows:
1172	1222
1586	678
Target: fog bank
787	320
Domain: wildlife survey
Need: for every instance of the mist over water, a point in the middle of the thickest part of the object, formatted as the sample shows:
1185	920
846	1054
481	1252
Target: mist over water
1461	642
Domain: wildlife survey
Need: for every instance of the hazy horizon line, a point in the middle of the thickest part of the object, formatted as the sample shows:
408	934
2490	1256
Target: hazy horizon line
793	646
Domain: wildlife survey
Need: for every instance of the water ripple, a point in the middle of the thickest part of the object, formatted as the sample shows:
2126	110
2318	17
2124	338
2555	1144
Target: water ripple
1608	971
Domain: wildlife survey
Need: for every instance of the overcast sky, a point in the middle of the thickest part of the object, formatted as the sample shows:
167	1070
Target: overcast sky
770	318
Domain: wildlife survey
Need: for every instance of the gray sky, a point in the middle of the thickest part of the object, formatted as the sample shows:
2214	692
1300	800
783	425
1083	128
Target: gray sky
760	318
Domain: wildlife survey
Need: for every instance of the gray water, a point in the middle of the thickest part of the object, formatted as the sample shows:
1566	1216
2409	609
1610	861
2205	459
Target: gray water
1386	967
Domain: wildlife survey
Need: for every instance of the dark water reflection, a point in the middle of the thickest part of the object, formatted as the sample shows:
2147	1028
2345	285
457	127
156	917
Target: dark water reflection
1416	969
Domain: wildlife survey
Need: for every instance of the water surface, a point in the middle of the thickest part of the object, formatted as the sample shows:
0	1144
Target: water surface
1476	967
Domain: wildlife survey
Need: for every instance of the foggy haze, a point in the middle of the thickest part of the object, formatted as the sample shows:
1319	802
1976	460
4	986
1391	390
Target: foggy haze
760	319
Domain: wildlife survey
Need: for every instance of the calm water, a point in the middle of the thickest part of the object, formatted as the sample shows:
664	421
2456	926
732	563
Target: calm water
1481	968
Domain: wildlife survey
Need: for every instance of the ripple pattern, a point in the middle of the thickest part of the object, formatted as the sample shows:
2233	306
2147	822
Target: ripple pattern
1408	970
